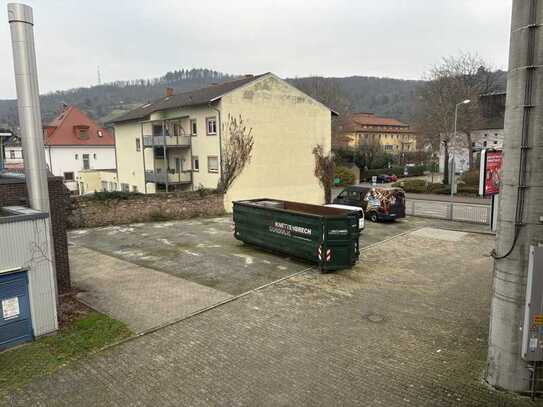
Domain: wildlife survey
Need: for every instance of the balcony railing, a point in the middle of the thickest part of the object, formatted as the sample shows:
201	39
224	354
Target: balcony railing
169	141
183	177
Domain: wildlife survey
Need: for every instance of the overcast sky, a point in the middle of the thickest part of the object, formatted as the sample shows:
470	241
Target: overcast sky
146	38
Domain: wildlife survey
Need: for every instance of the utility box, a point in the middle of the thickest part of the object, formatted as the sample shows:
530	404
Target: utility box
28	307
532	334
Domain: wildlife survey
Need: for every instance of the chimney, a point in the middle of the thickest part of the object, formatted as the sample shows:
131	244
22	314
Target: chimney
169	92
26	78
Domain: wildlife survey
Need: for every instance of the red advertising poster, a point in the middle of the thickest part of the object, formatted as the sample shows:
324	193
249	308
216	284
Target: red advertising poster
493	169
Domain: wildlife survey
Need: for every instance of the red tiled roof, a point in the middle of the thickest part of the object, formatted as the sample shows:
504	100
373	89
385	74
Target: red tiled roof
357	121
64	130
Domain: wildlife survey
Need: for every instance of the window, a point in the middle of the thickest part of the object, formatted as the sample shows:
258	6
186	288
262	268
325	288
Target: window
193	128
112	186
178	165
138	145
212	163
157	130
125	187
86	162
77	156
94	156
389	147
484	143
134	188
159	153
103	185
211	126
100	133
68	176
495	141
12	154
195	163
83	133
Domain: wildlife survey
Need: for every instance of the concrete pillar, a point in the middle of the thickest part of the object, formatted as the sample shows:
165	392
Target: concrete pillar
520	208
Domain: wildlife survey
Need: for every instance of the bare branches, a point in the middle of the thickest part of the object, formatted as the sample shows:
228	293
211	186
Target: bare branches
324	170
466	76
238	147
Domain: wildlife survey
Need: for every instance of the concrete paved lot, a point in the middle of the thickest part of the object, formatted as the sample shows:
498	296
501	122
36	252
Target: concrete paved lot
150	274
406	327
200	250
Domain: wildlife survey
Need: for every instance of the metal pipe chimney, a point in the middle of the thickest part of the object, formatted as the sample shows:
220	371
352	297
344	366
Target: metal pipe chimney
26	78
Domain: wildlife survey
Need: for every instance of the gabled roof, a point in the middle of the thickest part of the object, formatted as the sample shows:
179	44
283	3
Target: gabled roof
192	98
64	130
370	119
196	97
364	122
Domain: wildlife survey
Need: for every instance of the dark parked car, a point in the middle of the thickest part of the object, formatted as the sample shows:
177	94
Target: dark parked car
379	203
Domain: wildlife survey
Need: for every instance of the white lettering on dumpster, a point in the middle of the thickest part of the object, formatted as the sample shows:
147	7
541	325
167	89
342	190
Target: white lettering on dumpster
287	229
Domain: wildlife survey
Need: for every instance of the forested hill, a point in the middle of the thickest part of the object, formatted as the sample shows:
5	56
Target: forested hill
389	97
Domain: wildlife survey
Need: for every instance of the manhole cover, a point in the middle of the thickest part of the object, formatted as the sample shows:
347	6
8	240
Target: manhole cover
375	318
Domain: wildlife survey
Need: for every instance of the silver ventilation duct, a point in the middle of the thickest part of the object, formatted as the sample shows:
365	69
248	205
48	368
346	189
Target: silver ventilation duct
24	60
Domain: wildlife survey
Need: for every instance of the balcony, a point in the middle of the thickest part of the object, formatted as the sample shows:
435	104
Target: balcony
172	177
167	140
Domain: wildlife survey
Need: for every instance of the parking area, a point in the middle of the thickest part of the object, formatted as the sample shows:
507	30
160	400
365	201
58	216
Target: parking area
150	274
407	326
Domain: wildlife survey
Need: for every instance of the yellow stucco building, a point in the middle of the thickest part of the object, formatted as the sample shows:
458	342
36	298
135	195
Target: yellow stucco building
176	143
357	129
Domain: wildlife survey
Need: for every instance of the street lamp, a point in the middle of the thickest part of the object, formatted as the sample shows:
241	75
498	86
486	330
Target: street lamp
452	167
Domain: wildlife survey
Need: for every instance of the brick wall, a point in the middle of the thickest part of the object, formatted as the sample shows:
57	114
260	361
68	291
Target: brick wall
88	211
13	192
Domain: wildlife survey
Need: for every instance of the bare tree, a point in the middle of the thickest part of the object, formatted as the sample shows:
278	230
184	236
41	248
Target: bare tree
324	170
457	78
236	154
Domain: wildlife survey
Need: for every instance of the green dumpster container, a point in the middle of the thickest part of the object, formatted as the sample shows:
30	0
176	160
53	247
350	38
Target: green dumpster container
323	235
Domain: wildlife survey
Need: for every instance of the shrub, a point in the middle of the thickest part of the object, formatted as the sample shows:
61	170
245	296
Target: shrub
345	176
471	178
437	188
416	171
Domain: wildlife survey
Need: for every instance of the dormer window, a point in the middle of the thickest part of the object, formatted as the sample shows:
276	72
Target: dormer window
100	133
82	132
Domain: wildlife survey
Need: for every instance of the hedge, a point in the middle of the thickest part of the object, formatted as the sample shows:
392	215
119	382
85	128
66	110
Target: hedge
397	170
419	186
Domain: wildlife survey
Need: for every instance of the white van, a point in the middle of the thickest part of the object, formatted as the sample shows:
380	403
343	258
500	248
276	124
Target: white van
352	208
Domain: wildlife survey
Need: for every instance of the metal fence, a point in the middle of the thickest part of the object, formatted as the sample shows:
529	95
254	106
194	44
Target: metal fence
464	212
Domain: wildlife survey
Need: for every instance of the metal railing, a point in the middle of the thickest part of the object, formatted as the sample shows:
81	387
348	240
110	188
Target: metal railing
464	212
171	177
169	141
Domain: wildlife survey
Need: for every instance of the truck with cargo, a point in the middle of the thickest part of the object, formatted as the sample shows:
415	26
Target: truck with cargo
324	235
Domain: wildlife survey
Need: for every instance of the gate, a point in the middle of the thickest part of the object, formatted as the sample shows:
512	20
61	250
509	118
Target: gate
463	212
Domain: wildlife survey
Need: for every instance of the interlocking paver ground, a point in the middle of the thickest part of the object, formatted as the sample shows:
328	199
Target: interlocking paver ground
142	298
406	327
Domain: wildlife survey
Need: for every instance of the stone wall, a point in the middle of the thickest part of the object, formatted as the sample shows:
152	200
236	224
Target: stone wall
118	209
13	193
